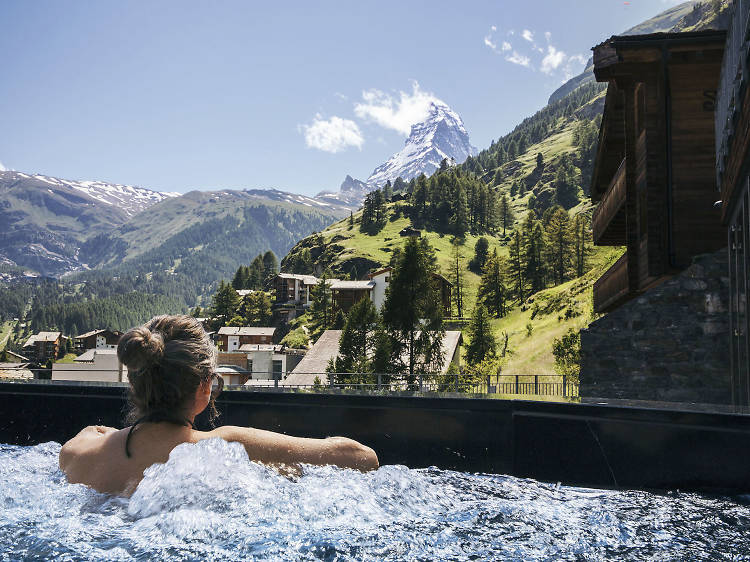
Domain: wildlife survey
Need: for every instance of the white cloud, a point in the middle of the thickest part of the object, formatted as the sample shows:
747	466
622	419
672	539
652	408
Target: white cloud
332	135
397	113
517	58
2	168
549	60
552	60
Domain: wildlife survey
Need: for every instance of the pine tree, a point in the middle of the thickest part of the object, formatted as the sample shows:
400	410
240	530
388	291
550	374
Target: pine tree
492	290
517	266
581	238
412	312
256	274
388	191
357	340
321	307
255	309
461	217
270	267
559	244
482	344
539	160
534	251
507	218
481	251
225	301
457	278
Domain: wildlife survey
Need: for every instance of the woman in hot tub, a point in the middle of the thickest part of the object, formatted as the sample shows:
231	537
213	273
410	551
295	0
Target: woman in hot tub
171	363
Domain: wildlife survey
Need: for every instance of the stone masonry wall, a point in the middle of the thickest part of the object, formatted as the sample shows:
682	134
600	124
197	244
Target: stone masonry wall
670	343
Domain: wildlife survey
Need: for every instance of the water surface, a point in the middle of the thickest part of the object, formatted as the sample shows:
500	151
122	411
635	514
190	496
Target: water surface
210	502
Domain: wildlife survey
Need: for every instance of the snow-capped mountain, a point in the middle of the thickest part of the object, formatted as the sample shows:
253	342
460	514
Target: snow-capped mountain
350	193
128	198
441	135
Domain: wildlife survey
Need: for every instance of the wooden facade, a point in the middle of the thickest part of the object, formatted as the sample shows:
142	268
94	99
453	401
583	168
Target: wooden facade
733	181
654	170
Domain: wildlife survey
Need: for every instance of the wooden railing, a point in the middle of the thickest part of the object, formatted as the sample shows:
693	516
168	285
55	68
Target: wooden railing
611	203
612	287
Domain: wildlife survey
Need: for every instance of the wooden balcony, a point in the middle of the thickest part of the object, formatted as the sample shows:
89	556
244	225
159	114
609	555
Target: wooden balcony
612	288
608	221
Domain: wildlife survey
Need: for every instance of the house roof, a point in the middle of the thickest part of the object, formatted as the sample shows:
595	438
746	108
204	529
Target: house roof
15	371
246	331
91	354
96	332
380	272
308	279
315	361
250	347
353	285
243	292
42	336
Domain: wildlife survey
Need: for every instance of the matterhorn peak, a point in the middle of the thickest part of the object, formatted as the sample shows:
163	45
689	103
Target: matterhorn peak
439	136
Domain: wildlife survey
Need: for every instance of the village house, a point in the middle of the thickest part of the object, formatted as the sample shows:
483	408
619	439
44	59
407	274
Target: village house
43	346
344	294
98	364
733	183
654	179
293	288
97	339
231	338
258	362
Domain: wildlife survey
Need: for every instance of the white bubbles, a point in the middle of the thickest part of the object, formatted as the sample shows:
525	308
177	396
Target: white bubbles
210	502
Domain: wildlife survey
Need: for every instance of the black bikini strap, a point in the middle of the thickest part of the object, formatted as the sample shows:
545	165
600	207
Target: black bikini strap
155	417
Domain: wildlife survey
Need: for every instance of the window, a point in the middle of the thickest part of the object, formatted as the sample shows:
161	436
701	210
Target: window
277	369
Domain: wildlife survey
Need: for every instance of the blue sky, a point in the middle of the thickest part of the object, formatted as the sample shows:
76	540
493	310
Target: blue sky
178	95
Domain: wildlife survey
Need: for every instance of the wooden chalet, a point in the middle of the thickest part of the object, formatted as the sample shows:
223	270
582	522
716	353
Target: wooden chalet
654	176
44	346
733	182
293	288
346	294
97	339
232	338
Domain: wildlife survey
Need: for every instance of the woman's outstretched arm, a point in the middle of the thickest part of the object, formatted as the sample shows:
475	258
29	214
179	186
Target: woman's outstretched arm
277	448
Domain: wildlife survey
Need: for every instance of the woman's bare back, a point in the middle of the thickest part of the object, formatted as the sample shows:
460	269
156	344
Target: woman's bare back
96	456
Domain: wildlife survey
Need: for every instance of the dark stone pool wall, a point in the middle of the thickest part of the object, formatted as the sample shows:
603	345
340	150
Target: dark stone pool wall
599	445
670	343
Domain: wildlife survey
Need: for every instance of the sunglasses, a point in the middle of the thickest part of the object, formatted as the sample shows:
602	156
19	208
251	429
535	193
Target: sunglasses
217	386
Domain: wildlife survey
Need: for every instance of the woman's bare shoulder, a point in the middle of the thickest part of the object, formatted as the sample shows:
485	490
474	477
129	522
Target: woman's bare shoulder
88	441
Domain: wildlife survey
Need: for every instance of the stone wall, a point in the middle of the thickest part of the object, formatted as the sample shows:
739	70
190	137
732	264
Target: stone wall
671	343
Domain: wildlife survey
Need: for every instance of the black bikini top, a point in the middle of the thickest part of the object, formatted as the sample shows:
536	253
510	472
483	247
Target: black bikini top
156	417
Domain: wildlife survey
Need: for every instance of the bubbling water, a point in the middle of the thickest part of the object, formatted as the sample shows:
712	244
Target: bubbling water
209	502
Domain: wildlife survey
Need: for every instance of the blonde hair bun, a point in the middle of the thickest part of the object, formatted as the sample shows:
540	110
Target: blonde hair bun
140	348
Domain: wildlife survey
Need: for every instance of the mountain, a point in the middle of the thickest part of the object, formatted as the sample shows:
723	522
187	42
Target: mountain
441	135
45	219
350	193
203	227
54	226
